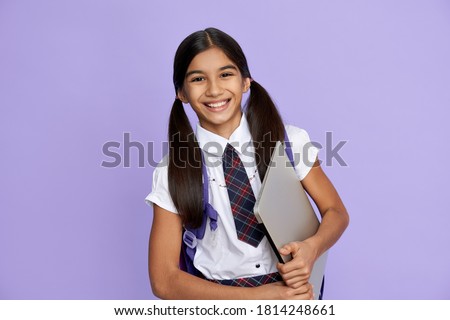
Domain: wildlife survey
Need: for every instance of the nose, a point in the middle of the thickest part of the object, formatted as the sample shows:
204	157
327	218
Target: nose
214	89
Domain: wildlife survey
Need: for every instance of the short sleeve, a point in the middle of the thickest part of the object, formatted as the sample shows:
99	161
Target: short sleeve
304	152
160	188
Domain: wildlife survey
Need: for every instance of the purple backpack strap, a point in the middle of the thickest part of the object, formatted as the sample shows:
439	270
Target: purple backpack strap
191	235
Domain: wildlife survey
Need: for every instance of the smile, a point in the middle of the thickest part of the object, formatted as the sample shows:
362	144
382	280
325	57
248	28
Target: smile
218	104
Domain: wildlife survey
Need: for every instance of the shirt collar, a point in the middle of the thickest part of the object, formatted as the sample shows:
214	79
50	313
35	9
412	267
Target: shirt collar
214	144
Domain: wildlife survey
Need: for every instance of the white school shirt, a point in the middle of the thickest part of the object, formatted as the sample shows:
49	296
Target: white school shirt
220	254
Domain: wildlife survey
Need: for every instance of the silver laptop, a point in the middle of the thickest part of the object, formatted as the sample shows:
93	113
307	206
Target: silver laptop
285	211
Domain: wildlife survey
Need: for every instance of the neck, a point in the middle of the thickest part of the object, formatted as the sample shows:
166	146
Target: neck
224	130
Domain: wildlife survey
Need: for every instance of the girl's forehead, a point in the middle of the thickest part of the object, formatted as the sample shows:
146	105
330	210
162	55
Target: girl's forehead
210	60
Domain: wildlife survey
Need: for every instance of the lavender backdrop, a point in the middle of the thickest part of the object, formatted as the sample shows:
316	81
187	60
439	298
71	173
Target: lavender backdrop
77	74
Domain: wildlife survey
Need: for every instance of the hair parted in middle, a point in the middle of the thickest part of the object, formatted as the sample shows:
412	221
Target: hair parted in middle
265	124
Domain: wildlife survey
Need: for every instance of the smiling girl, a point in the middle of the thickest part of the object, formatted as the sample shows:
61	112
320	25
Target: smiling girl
230	255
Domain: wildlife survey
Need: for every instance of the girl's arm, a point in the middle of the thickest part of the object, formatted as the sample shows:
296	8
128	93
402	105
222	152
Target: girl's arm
335	220
169	282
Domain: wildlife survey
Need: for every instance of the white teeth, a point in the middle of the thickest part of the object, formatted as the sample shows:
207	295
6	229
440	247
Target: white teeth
216	105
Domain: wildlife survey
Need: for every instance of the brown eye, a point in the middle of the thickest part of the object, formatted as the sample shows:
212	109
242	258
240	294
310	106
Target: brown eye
226	74
197	79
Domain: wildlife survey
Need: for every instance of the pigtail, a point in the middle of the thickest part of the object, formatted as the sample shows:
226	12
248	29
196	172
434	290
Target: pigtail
185	171
265	123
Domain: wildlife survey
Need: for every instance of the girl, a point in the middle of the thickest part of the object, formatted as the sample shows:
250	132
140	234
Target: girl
232	259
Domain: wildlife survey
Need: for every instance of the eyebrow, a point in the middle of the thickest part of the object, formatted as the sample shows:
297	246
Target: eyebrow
229	66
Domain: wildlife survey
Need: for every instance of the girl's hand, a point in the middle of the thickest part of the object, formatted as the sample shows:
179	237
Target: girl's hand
296	272
279	291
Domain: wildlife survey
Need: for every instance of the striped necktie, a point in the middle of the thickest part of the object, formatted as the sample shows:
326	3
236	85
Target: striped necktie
242	199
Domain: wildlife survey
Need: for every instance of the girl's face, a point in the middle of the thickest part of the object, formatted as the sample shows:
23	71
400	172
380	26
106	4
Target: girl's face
213	86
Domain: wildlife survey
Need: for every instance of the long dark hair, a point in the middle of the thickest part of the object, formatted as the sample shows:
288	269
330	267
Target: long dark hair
266	126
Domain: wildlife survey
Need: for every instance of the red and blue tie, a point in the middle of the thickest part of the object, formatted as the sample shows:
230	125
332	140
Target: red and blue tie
242	199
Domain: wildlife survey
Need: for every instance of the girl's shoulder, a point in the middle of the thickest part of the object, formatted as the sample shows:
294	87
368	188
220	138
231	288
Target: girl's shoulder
160	187
160	174
304	151
161	168
163	162
296	134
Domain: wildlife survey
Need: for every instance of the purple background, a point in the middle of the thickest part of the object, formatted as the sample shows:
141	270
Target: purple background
76	74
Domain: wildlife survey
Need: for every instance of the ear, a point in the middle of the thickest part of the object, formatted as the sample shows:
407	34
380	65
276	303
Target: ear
247	83
182	96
